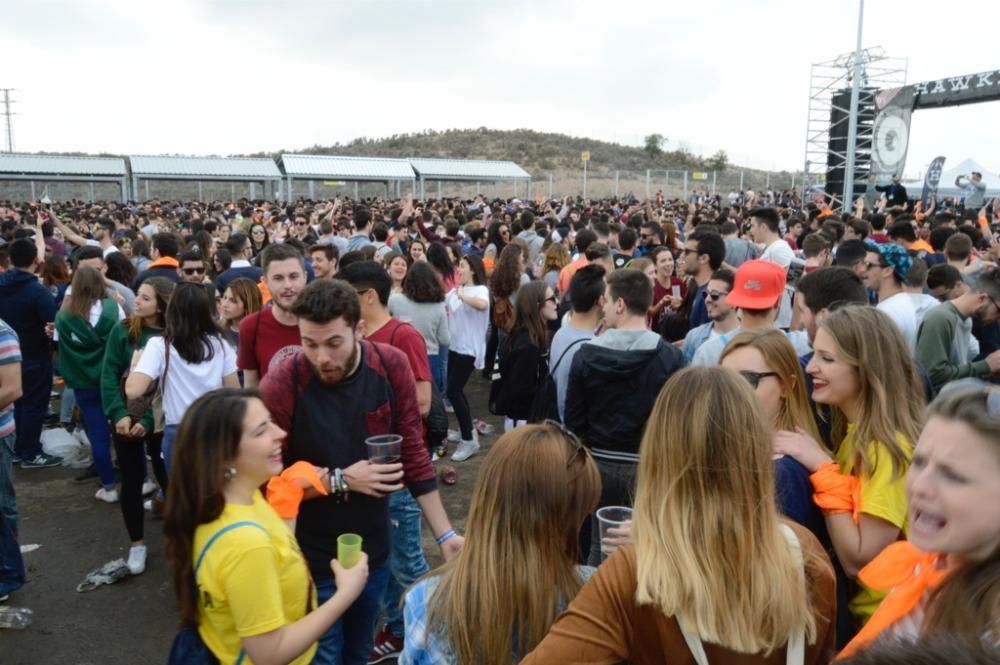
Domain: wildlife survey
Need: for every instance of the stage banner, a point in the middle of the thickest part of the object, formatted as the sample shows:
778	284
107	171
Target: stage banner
931	181
891	133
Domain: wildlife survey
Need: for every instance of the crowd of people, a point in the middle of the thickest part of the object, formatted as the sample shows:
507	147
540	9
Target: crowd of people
797	405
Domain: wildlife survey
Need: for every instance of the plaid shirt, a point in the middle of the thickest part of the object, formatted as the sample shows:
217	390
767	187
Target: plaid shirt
424	647
10	353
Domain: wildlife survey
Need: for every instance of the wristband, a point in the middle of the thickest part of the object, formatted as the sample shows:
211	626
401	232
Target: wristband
444	537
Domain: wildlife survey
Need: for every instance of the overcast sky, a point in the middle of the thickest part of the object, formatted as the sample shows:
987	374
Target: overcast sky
197	77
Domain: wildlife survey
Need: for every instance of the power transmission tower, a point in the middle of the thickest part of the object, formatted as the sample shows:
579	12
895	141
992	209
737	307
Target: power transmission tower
8	115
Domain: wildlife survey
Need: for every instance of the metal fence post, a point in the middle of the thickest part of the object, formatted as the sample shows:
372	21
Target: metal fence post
715	175
355	190
312	190
92	196
647	183
585	179
741	181
616	184
666	185
439	190
201	189
550	185
31	183
767	181
685	185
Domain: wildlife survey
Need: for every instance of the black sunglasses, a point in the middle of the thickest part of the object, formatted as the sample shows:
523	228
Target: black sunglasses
753	378
578	447
192	271
869	265
714	295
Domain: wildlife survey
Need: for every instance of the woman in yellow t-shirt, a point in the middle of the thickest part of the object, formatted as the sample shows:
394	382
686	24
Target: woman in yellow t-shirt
236	568
863	370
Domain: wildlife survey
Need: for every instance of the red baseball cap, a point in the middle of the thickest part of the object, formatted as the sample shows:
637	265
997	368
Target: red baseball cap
758	285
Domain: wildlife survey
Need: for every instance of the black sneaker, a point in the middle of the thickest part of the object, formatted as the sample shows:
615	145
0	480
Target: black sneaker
86	474
41	461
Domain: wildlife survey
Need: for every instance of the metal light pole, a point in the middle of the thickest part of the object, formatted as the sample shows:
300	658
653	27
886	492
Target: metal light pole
852	126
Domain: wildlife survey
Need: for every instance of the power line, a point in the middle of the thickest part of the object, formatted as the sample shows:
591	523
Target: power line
8	115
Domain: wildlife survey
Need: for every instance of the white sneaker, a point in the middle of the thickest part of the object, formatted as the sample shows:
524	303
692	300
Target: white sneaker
107	496
137	559
465	450
454	436
148	487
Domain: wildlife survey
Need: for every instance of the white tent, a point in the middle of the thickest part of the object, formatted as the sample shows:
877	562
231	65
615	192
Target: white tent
947	185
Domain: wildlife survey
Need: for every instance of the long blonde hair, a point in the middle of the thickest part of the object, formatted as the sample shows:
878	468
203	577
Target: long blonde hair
779	355
706	526
890	396
499	597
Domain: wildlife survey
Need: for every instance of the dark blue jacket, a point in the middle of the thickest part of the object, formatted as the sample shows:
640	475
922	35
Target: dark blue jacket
27	306
253	273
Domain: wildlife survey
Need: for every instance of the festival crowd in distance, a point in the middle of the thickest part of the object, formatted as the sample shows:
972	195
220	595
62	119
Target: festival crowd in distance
736	429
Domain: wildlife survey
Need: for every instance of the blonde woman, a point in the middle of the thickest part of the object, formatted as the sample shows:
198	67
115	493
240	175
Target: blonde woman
714	571
863	370
556	257
495	601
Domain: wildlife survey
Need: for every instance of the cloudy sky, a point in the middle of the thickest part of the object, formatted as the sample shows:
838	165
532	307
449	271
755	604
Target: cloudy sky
225	77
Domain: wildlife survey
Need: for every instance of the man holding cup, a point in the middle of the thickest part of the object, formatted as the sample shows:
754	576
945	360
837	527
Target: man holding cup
333	394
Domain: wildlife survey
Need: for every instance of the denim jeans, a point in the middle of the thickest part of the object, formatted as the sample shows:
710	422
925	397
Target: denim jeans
350	640
11	564
8	501
169	434
66	403
406	558
617	489
30	410
96	425
439	368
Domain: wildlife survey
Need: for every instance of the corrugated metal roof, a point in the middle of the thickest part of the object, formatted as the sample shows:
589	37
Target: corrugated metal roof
467	169
347	168
206	167
61	165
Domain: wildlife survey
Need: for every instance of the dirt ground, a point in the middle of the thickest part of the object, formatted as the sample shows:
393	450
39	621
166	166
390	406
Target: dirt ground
131	622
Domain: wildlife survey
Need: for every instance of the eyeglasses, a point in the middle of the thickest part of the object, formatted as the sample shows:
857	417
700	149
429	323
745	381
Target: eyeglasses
688	250
551	299
753	378
301	223
578	447
714	295
192	271
869	265
258	233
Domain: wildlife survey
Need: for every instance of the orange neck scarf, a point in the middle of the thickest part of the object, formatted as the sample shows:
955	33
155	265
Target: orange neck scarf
908	574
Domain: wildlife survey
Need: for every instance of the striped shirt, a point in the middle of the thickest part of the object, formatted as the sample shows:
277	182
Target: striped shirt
10	353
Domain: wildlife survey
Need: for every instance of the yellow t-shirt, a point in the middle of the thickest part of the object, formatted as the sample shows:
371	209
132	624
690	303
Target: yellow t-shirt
882	497
250	582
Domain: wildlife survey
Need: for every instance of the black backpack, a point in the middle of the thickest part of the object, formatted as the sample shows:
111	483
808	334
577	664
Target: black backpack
545	406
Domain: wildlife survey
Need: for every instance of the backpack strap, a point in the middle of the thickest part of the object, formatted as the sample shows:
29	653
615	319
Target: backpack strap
566	350
795	650
204	550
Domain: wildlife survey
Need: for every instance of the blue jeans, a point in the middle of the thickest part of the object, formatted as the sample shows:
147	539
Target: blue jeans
439	369
350	640
98	431
30	410
8	501
169	434
66	403
406	557
11	564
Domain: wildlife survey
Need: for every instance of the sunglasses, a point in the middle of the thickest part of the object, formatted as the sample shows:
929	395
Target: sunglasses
301	223
578	448
753	378
687	251
714	295
192	271
258	233
869	265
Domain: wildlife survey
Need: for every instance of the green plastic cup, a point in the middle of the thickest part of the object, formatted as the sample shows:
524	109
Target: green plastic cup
348	549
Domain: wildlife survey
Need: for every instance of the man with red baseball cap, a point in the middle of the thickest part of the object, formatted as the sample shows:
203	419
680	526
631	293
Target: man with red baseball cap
756	295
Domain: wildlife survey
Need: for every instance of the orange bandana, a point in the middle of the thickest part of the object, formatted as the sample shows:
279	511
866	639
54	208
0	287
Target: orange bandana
836	492
907	573
285	493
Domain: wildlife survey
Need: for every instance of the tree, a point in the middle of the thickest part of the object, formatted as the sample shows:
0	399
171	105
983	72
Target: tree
719	161
653	144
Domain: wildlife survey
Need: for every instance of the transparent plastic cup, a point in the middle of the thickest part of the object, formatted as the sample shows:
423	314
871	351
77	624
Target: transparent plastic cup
384	448
611	517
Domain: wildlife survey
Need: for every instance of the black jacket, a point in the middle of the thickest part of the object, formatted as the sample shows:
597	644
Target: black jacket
613	384
523	366
27	306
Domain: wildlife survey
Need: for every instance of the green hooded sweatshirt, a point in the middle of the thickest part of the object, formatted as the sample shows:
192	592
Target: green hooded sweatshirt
81	347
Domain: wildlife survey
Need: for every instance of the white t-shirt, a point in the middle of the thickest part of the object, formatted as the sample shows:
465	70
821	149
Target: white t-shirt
186	382
780	252
467	325
900	309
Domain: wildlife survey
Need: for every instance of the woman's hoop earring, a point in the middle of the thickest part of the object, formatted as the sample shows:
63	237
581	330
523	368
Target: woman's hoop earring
230	473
